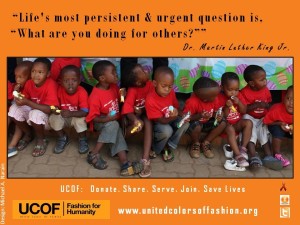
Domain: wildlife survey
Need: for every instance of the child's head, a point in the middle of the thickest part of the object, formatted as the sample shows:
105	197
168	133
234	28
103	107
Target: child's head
255	76
104	71
40	71
206	89
137	77
230	84
70	78
23	72
289	100
163	80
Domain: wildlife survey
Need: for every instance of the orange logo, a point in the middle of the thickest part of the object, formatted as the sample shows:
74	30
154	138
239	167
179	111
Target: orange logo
284	199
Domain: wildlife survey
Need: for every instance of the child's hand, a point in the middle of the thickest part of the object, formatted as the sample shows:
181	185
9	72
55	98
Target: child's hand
235	100
17	87
20	102
65	113
261	105
205	115
112	118
286	128
174	113
138	111
139	124
220	117
229	103
122	93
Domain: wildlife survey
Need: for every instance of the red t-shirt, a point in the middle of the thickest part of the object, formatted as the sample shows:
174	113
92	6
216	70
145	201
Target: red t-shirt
195	105
102	102
233	117
136	97
278	113
60	63
46	94
158	107
75	102
250	96
10	89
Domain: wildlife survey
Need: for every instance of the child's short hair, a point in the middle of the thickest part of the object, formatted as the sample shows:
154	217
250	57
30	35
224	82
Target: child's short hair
290	88
131	78
204	82
27	65
70	68
229	76
99	68
250	71
162	70
44	60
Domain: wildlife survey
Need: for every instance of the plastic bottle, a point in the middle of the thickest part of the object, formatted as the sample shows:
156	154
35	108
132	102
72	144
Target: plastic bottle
181	122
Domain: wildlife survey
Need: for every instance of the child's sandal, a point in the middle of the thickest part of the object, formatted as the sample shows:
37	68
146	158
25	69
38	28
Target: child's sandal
152	155
97	161
168	155
130	169
40	150
146	172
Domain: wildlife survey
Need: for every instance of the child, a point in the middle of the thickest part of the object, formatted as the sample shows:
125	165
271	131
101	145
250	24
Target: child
22	75
202	105
39	95
104	112
279	120
162	109
73	105
257	97
59	63
234	106
134	111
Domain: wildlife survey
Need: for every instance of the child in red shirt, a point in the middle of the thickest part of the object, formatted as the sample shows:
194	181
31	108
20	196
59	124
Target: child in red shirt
258	97
59	63
234	106
103	113
134	114
279	120
203	105
39	95
22	75
73	105
163	109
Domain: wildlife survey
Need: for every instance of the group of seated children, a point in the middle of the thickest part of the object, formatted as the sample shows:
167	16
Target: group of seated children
40	102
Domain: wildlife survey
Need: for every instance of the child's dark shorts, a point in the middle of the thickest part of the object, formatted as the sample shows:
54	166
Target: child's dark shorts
277	132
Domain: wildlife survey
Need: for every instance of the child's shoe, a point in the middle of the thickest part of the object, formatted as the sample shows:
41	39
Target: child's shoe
128	168
96	161
241	161
146	172
228	151
83	145
195	150
285	162
243	152
12	152
206	149
61	144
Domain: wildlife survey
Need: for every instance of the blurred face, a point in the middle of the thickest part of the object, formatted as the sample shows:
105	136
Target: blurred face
259	81
70	81
231	88
164	84
207	94
289	101
39	73
21	76
110	75
141	76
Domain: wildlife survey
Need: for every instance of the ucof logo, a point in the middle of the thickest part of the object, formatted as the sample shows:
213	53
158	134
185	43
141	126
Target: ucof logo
36	208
